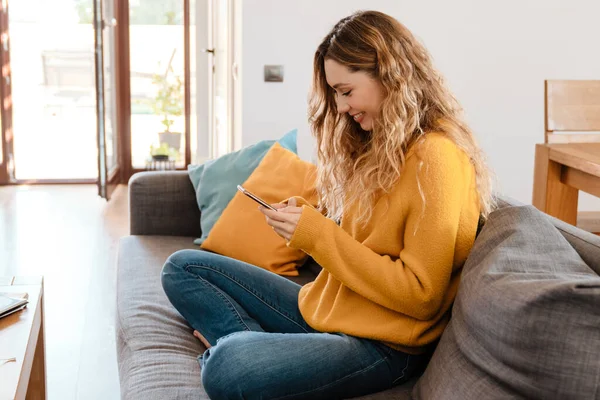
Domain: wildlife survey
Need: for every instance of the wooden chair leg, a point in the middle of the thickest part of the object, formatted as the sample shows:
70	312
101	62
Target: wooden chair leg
540	176
550	195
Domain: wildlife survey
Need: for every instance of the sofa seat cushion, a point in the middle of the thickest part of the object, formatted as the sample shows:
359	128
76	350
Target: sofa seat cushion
156	351
526	317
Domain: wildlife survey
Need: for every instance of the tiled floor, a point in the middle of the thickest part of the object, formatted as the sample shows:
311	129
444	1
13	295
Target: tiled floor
69	235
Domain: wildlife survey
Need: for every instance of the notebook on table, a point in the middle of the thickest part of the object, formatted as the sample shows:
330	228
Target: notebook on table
12	302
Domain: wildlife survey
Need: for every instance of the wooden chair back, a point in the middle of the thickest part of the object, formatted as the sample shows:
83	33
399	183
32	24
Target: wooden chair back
572	107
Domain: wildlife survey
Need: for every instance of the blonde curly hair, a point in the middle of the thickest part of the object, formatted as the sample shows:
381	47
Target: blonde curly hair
355	165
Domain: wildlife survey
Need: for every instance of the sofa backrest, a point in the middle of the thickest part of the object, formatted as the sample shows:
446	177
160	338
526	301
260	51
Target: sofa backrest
585	243
526	316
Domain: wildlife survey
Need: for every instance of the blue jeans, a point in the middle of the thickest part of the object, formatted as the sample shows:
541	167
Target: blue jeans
261	346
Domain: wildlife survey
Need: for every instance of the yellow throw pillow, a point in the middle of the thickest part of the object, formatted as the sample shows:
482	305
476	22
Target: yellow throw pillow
241	231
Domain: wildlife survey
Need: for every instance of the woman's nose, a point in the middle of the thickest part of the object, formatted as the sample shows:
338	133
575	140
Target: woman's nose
342	107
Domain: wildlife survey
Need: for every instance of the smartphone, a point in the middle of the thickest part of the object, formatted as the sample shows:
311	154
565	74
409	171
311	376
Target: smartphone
255	198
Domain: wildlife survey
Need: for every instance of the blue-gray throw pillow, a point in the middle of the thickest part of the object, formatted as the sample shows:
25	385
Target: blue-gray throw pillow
215	182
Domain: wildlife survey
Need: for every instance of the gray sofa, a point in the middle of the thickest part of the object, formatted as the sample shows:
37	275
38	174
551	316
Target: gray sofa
525	324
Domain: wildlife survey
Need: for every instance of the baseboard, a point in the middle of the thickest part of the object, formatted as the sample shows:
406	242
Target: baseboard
589	221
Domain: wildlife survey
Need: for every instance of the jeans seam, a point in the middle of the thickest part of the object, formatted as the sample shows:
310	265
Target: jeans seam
249	290
336	381
218	292
228	335
403	371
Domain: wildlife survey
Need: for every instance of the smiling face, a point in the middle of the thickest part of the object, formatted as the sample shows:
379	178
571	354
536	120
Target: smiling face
356	93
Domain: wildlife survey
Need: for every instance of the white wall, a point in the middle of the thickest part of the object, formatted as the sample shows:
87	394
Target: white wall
494	55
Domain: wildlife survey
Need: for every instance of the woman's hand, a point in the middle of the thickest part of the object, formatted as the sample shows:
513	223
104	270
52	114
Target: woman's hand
285	220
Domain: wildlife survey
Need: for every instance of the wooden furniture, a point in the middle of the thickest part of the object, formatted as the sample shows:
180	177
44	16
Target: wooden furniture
569	160
22	338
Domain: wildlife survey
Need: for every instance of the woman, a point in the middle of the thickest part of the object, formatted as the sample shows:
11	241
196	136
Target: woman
401	173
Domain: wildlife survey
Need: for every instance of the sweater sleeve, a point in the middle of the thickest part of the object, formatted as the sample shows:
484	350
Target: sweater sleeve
413	283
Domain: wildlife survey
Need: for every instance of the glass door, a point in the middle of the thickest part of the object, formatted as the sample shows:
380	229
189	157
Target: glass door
105	64
6	136
53	84
157	73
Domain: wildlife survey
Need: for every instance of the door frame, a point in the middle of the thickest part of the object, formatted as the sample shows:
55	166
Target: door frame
5	95
187	82
231	60
107	178
123	91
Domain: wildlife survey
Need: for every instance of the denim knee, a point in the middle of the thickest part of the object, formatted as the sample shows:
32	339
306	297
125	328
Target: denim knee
173	269
225	369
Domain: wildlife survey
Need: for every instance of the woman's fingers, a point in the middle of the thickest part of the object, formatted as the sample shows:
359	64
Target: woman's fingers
280	214
281	233
283	221
283	226
284	233
274	215
285	230
291	210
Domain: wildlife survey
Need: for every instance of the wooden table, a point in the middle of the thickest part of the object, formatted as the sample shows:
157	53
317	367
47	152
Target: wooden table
22	337
561	171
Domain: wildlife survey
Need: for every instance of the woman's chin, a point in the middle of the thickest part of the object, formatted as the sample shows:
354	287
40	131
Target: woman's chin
366	126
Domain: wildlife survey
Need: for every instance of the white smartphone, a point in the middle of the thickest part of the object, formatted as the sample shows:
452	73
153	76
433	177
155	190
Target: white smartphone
255	198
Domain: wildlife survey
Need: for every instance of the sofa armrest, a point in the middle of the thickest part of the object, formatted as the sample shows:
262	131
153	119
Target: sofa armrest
163	203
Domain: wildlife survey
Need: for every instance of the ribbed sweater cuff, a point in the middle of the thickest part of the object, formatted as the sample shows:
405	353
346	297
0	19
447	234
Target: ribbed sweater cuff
307	231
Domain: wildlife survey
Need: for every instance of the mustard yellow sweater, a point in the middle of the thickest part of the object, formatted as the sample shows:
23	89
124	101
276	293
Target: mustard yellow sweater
394	280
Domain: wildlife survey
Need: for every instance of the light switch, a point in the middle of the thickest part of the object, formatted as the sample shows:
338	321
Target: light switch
273	73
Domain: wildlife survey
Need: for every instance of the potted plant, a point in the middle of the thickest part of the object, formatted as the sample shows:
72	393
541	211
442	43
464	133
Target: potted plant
168	103
163	153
